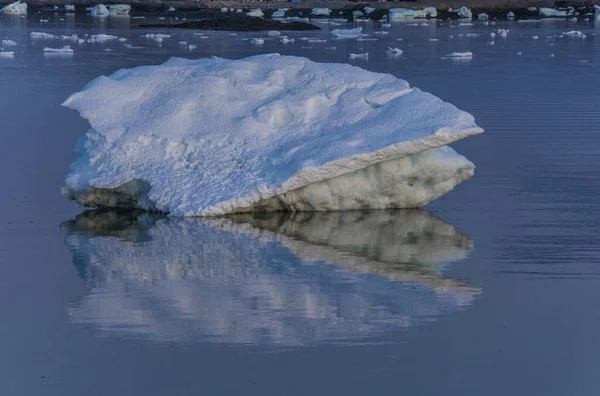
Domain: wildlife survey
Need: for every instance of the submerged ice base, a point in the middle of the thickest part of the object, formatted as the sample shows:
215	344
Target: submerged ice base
214	136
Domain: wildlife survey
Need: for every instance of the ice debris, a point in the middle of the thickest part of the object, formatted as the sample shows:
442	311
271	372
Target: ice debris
551	12
99	10
214	136
348	33
65	49
320	11
464	12
257	13
119	9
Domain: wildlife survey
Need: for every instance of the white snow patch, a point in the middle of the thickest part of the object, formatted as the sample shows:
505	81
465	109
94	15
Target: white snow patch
214	136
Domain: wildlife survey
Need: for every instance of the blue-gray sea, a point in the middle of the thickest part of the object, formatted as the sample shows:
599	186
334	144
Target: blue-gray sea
491	290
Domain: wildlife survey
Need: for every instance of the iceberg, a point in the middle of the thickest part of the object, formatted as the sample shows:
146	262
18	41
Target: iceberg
280	13
483	16
320	11
307	278
464	12
99	10
510	15
407	13
213	136
596	12
171	9
551	12
119	9
69	7
257	13
16	8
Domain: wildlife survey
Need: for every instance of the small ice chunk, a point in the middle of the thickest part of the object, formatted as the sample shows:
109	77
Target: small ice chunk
407	13
464	12
357	14
519	53
395	51
575	34
510	15
363	55
369	10
224	9
386	25
119	9
65	49
9	43
551	12
535	37
483	16
492	35
280	13
99	10
16	8
471	35
7	54
41	35
257	13
274	33
258	41
434	39
348	33
320	11
69	7
503	32
157	37
192	47
285	40
460	55
171	9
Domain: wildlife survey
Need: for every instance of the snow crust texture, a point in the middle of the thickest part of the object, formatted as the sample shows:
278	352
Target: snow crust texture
214	136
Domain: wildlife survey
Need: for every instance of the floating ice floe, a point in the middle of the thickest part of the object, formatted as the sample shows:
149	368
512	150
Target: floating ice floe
41	35
460	55
69	7
395	51
257	13
535	37
16	8
472	35
171	9
369	10
551	12
280	13
7	54
273	33
258	41
268	132
510	15
433	39
464	12
407	13
99	38
348	33
286	40
224	9
119	9
386	25
357	14
320	11
99	10
575	34
66	49
483	16
192	47
9	43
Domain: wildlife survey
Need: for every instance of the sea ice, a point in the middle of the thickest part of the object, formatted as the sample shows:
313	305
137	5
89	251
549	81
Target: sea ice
17	8
215	136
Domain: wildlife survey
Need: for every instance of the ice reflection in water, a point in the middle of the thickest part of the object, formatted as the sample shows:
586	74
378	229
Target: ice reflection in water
281	279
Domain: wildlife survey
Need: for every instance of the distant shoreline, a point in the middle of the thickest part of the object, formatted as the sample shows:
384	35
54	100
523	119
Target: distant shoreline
496	9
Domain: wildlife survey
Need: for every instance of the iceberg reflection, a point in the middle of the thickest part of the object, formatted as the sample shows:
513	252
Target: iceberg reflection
278	278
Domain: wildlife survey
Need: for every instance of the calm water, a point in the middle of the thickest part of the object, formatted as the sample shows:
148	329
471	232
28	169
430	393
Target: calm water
492	290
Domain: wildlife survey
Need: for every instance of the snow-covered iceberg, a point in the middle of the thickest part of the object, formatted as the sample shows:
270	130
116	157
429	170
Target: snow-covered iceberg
17	8
407	13
215	136
277	279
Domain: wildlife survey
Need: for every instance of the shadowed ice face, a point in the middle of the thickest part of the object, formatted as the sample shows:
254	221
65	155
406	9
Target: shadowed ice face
278	279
